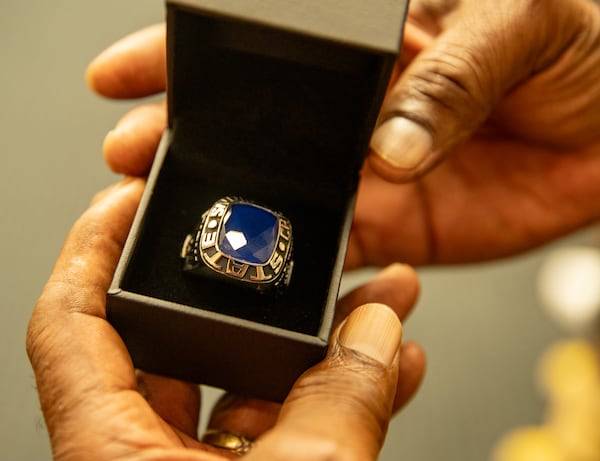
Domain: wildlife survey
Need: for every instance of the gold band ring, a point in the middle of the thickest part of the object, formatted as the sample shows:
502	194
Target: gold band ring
230	441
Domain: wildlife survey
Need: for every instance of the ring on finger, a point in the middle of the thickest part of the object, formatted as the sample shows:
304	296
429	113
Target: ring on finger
231	441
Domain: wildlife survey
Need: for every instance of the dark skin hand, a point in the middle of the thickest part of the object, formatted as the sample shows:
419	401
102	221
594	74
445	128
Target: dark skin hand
97	407
504	111
488	143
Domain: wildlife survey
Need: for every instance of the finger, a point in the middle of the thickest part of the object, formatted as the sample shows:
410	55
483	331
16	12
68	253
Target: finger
415	40
243	415
252	417
429	14
396	286
340	409
392	222
109	190
450	88
129	149
83	371
412	364
133	67
92	250
177	402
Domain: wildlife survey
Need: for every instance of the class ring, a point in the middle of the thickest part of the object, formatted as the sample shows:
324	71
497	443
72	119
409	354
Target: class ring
243	243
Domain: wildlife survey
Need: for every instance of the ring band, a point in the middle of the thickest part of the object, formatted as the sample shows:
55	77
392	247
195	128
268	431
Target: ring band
231	441
242	241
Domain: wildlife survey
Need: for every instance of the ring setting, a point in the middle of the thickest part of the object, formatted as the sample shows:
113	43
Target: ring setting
241	241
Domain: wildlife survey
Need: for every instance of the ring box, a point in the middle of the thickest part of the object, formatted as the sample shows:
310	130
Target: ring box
274	102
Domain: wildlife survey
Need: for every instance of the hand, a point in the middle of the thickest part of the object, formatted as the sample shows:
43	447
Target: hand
504	98
506	92
97	408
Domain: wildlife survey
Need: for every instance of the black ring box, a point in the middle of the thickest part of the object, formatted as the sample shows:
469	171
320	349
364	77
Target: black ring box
274	102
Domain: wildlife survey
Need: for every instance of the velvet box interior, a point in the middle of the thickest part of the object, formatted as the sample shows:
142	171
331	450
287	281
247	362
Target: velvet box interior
277	116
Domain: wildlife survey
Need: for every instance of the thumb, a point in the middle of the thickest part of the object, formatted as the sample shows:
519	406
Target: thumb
341	408
451	87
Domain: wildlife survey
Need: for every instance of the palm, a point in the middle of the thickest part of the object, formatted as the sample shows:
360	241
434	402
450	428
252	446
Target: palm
493	197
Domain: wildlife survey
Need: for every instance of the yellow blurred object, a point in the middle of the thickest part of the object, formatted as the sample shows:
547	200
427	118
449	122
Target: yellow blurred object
576	426
569	376
570	370
529	444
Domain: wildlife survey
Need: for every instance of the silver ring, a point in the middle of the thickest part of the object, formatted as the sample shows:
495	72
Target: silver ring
231	441
241	241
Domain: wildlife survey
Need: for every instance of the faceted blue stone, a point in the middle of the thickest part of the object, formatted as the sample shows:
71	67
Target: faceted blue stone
248	233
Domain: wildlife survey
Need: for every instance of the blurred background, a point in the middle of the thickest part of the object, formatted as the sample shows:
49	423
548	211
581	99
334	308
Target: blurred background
482	326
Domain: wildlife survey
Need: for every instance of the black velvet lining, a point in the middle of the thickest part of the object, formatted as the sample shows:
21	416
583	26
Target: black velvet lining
275	104
286	128
184	191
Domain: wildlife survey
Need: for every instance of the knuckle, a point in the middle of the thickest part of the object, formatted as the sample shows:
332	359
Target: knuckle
39	339
87	264
359	384
353	386
452	82
32	337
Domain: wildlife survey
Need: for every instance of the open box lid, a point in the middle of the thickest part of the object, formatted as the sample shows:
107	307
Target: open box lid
376	24
281	89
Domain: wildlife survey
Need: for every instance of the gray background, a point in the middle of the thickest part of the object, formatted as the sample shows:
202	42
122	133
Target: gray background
480	325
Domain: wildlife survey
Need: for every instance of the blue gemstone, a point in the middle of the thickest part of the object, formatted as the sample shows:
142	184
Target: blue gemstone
248	233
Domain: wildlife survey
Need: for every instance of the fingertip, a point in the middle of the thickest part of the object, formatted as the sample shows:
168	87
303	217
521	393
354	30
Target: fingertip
95	73
351	390
99	196
132	67
129	185
412	367
413	357
244	415
388	172
102	75
113	148
402	142
373	330
101	230
401	150
401	282
90	76
397	271
397	286
130	147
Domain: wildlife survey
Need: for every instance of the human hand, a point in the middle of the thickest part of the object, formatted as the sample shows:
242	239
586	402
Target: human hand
506	92
97	408
504	98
